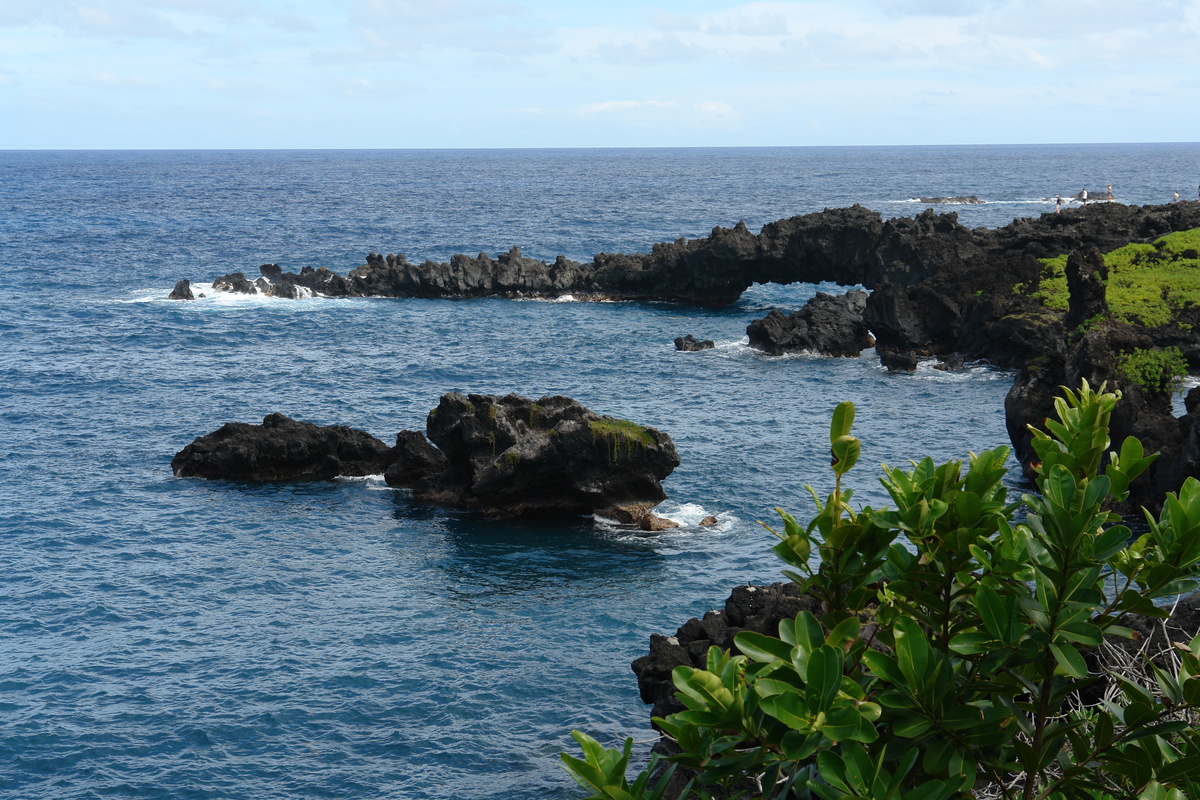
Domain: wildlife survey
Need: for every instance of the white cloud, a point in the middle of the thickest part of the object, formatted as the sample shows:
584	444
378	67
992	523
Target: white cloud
673	22
397	28
711	109
660	114
865	35
113	81
622	106
152	18
356	87
771	71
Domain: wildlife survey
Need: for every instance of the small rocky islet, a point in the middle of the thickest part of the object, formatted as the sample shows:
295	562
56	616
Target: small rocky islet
501	456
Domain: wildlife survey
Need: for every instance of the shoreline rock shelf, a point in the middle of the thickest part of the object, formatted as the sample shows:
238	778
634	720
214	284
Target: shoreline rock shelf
937	287
502	456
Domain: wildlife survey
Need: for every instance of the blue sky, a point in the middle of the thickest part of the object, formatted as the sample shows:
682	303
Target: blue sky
529	73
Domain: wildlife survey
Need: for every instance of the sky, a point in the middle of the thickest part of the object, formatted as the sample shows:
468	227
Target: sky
83	74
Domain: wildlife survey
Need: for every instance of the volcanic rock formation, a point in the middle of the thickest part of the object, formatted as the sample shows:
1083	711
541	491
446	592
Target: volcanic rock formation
826	325
281	449
511	456
503	456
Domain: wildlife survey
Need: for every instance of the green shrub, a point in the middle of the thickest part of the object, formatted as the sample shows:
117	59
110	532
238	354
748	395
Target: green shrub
951	667
1154	370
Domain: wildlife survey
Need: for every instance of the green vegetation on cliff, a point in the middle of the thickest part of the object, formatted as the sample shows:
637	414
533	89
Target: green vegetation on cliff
1154	370
1147	283
621	436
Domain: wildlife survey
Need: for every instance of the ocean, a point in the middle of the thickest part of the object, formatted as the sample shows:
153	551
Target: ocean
181	638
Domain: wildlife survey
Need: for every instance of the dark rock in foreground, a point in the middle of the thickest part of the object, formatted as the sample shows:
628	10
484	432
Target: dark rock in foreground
762	608
690	344
281	449
826	325
1094	355
749	608
512	456
1090	346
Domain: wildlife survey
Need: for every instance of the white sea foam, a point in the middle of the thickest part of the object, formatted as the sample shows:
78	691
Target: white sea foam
369	481
686	515
206	297
927	370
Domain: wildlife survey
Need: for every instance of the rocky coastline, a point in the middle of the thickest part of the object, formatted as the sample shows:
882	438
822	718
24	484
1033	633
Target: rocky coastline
937	289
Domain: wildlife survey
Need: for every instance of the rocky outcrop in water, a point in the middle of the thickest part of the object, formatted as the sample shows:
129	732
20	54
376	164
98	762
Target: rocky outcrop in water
504	456
512	456
281	449
826	325
690	344
182	291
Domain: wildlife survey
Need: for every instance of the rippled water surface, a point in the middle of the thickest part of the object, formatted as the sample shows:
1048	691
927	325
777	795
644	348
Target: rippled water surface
164	638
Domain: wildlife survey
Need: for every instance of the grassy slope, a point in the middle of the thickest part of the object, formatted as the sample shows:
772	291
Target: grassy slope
1146	282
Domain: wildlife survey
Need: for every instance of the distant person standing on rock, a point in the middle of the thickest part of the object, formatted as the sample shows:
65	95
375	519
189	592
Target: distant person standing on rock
1109	195
1057	203
1083	196
1177	197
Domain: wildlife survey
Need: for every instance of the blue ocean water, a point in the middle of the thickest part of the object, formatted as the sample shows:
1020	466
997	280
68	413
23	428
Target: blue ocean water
164	638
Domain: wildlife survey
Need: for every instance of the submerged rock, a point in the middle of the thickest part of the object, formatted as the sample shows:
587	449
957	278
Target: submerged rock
282	449
640	516
234	282
957	200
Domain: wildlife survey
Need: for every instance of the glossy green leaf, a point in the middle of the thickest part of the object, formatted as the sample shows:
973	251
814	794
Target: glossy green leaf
1083	633
992	610
843	418
911	726
824	678
1187	767
762	648
970	644
845	631
912	652
1069	659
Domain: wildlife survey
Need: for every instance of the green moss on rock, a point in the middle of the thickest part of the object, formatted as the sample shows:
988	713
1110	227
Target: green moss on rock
621	436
